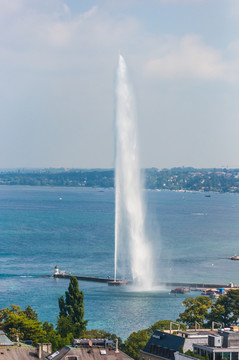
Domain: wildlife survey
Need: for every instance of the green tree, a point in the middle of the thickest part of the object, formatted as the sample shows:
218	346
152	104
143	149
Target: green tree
24	323
221	311
54	338
226	309
196	309
136	342
71	316
62	307
30	313
233	296
65	326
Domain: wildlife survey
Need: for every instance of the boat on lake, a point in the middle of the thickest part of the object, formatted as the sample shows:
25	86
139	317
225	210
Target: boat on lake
235	257
117	282
181	290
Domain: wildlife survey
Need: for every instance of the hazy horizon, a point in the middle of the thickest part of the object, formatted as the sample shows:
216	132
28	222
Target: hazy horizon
112	168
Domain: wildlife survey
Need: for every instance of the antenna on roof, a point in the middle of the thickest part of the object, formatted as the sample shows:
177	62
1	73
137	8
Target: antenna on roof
197	323
173	323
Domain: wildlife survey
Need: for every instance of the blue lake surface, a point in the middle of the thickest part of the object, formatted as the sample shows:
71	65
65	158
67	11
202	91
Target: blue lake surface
192	237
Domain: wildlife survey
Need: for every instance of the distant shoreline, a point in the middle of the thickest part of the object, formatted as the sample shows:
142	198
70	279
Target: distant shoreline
176	179
112	188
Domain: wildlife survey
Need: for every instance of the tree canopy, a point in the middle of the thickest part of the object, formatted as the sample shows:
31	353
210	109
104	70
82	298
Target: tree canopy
23	323
196	310
224	310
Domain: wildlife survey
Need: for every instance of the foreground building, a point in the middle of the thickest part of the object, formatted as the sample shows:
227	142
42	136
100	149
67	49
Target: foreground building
86	349
221	344
17	350
224	345
163	345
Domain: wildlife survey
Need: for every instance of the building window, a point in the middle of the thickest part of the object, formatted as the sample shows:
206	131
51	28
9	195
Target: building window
171	354
210	355
152	348
226	355
165	351
218	356
235	356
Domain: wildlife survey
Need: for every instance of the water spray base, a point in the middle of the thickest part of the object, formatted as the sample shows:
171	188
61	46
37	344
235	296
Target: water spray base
118	282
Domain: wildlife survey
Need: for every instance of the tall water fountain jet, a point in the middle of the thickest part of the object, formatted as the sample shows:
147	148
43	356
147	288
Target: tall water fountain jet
130	239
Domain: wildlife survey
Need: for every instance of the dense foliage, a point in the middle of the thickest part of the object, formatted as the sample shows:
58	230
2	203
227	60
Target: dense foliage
196	310
224	310
23	323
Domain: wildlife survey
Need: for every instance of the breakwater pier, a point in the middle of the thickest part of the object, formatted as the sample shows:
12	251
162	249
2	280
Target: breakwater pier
63	275
84	278
166	284
201	285
109	280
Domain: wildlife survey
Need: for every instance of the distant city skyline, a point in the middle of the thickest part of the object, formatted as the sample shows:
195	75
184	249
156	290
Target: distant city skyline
58	63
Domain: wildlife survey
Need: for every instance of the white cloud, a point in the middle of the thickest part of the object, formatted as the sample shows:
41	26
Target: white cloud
189	57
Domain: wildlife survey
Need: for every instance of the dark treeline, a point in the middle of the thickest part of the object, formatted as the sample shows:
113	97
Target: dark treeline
190	179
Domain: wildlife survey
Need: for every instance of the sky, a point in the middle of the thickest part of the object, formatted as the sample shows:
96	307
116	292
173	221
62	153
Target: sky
58	61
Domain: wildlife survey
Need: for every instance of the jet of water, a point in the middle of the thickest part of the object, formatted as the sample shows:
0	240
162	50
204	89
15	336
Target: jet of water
130	239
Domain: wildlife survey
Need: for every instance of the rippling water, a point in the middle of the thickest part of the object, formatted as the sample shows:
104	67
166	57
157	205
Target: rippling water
192	237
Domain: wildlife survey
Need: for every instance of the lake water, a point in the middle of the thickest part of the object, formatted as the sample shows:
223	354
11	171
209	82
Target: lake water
192	237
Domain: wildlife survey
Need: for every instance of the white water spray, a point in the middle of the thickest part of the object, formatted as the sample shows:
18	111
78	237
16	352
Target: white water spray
130	239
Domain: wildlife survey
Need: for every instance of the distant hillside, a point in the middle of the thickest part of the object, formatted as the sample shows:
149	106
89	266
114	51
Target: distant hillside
220	180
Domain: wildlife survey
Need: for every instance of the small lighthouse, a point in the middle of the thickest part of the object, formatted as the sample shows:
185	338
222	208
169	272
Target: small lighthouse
56	270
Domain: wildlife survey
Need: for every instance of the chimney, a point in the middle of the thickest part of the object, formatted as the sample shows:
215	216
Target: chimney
117	346
39	351
49	348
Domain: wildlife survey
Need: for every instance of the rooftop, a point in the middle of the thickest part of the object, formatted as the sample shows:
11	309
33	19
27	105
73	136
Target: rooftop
196	333
90	353
18	354
163	344
4	341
